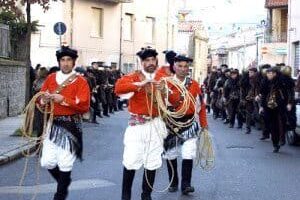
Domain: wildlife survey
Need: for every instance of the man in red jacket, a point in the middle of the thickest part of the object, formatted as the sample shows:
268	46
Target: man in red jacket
185	136
63	140
143	139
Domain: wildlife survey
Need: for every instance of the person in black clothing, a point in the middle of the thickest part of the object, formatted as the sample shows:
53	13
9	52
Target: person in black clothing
232	96
108	89
99	90
250	91
213	93
262	76
289	84
94	95
275	98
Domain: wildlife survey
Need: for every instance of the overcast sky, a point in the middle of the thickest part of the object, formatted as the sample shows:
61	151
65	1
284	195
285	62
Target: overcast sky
225	13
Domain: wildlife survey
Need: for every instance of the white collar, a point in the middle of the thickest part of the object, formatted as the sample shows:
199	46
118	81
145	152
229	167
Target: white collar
149	76
182	82
61	77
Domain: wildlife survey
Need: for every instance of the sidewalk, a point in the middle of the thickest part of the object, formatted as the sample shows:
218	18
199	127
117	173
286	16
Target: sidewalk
11	147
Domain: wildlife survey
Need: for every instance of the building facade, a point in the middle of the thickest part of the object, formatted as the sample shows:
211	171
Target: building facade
275	45
294	36
106	31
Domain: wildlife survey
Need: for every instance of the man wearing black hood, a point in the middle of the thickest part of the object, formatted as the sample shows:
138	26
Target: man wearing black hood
275	98
232	96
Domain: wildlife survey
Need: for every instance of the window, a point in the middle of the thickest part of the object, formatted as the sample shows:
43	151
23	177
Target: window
297	58
128	67
97	22
128	27
150	29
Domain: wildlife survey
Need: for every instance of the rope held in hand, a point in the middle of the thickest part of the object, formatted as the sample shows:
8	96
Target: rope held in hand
205	154
27	130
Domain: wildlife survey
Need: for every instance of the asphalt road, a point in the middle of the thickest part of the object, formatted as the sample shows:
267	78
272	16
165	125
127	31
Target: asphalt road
245	169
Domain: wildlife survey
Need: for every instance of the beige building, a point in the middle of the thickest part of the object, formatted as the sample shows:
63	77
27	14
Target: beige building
199	54
105	31
275	47
294	36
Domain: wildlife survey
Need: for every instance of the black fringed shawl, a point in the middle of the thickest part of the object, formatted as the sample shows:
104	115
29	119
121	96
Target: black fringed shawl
66	132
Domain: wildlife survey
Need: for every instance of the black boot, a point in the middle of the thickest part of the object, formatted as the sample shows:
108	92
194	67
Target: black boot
174	185
62	186
54	173
186	176
276	148
147	182
128	176
248	131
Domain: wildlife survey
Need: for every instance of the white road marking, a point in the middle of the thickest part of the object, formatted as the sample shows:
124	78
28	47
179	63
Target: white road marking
51	188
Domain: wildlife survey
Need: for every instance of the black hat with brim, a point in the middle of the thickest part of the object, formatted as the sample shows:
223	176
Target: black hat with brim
253	69
146	53
66	51
272	69
180	58
234	71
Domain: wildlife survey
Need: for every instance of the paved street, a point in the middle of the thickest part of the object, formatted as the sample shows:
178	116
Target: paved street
246	169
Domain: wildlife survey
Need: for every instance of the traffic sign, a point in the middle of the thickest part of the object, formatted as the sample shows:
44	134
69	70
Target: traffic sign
60	28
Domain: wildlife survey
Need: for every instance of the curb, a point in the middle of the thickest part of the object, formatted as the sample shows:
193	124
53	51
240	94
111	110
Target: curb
16	153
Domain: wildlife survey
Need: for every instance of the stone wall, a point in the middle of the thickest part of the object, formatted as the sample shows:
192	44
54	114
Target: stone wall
12	87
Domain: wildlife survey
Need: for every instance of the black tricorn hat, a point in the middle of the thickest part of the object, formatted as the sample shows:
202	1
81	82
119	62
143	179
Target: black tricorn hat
234	71
146	53
180	58
66	51
273	69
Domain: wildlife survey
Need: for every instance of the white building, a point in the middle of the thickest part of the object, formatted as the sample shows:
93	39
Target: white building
238	50
294	35
106	31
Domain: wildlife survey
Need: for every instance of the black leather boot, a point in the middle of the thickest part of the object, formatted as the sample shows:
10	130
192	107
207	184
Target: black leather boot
147	182
186	176
128	176
64	181
248	131
174	185
54	173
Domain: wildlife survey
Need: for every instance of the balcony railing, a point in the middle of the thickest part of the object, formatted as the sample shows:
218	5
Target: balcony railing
273	38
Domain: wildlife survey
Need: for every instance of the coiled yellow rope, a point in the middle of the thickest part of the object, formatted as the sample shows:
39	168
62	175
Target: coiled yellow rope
205	154
27	129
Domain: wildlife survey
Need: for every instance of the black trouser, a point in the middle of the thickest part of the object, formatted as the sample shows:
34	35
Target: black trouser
233	112
249	113
115	101
120	104
172	164
96	109
186	173
276	119
63	180
105	108
292	119
148	182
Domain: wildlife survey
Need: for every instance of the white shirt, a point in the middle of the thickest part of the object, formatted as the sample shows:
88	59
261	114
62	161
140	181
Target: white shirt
61	77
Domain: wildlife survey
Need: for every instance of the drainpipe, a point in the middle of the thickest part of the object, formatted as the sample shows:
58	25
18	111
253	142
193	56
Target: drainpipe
71	25
121	38
168	14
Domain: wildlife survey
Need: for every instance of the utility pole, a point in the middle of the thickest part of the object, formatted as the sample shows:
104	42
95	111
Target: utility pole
121	38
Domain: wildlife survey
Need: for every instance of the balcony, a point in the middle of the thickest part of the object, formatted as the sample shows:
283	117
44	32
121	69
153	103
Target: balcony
276	38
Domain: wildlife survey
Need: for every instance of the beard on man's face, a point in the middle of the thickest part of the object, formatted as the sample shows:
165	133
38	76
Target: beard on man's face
150	68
